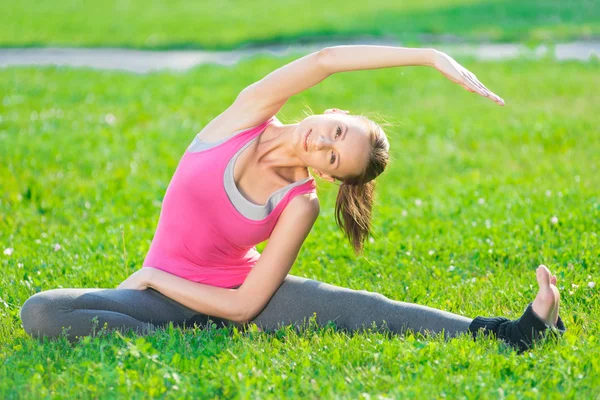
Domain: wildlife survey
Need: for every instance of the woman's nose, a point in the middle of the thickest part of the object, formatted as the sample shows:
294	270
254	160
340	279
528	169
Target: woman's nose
322	142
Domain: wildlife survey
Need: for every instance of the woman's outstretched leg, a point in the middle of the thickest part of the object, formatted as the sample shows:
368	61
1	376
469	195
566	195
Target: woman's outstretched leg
298	298
85	311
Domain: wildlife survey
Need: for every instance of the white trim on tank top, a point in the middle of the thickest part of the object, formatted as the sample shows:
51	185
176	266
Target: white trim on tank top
245	207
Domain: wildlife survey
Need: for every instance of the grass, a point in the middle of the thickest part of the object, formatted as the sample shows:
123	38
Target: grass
87	156
227	24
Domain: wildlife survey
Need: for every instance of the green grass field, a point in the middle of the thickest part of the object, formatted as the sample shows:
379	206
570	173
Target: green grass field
87	156
228	23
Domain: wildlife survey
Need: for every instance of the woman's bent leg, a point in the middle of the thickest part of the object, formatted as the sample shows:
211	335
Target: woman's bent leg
298	298
85	311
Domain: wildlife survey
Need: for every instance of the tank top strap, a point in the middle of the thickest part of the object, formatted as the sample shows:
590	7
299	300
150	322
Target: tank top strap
307	187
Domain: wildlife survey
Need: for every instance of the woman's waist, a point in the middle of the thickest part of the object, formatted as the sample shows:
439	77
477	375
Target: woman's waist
209	274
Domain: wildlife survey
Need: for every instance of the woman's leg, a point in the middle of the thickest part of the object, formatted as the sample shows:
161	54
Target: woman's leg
298	298
46	313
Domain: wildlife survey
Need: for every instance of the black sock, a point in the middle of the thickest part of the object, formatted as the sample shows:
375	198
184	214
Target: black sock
520	333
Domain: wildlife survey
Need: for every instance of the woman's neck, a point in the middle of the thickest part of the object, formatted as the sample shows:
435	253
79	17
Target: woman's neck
275	151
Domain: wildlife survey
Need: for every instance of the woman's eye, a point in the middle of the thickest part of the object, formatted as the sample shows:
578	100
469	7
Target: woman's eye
339	132
332	158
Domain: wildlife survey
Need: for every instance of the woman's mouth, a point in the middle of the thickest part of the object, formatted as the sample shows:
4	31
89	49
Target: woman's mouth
306	139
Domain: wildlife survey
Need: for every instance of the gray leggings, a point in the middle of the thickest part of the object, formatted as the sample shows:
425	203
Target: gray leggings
294	302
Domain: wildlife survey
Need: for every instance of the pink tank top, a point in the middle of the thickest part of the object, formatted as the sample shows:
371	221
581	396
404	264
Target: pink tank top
200	235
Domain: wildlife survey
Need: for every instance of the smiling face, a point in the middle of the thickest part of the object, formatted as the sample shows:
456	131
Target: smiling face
334	145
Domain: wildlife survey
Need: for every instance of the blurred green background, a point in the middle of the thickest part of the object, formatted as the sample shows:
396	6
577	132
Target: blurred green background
227	24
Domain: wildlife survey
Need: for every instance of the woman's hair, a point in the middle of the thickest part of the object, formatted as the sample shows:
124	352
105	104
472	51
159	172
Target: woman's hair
354	203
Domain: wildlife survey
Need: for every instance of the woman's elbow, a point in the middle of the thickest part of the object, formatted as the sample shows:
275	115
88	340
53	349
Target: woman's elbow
248	313
244	316
323	58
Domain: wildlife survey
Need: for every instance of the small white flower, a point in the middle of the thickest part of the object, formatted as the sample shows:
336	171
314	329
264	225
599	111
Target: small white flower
548	193
57	247
408	253
418	202
574	286
110	119
20	265
451	268
591	285
8	251
488	223
431	252
371	240
473	280
404	213
38	241
554	220
481	201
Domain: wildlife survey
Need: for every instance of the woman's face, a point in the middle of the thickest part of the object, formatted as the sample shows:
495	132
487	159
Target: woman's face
337	145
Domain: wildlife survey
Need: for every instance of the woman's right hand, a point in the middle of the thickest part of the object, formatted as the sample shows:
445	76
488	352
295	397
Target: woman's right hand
459	74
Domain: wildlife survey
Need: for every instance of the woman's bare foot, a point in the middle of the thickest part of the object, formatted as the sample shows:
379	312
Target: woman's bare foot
547	301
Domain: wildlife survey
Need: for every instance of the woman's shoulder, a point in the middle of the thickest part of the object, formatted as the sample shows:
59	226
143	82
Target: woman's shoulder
297	218
303	204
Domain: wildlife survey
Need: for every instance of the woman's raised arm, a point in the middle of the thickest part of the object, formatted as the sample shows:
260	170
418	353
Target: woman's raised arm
269	94
360	57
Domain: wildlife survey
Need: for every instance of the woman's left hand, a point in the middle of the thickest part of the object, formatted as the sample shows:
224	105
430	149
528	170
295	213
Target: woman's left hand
139	280
459	74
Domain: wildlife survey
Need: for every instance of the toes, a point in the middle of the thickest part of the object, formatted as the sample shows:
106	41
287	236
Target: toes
553	280
543	276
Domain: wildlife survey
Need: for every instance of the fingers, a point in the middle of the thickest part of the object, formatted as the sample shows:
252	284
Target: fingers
459	74
482	90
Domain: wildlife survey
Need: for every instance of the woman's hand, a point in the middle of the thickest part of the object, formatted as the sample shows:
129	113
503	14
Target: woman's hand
139	280
458	74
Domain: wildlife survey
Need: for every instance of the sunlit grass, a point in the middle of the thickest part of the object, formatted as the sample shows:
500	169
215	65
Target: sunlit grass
475	198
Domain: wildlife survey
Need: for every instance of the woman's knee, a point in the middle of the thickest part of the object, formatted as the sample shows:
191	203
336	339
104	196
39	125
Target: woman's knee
38	312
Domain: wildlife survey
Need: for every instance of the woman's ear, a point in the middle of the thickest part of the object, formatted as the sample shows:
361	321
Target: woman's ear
326	177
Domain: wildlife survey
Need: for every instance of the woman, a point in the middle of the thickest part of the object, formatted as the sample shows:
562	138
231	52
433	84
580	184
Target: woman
245	179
